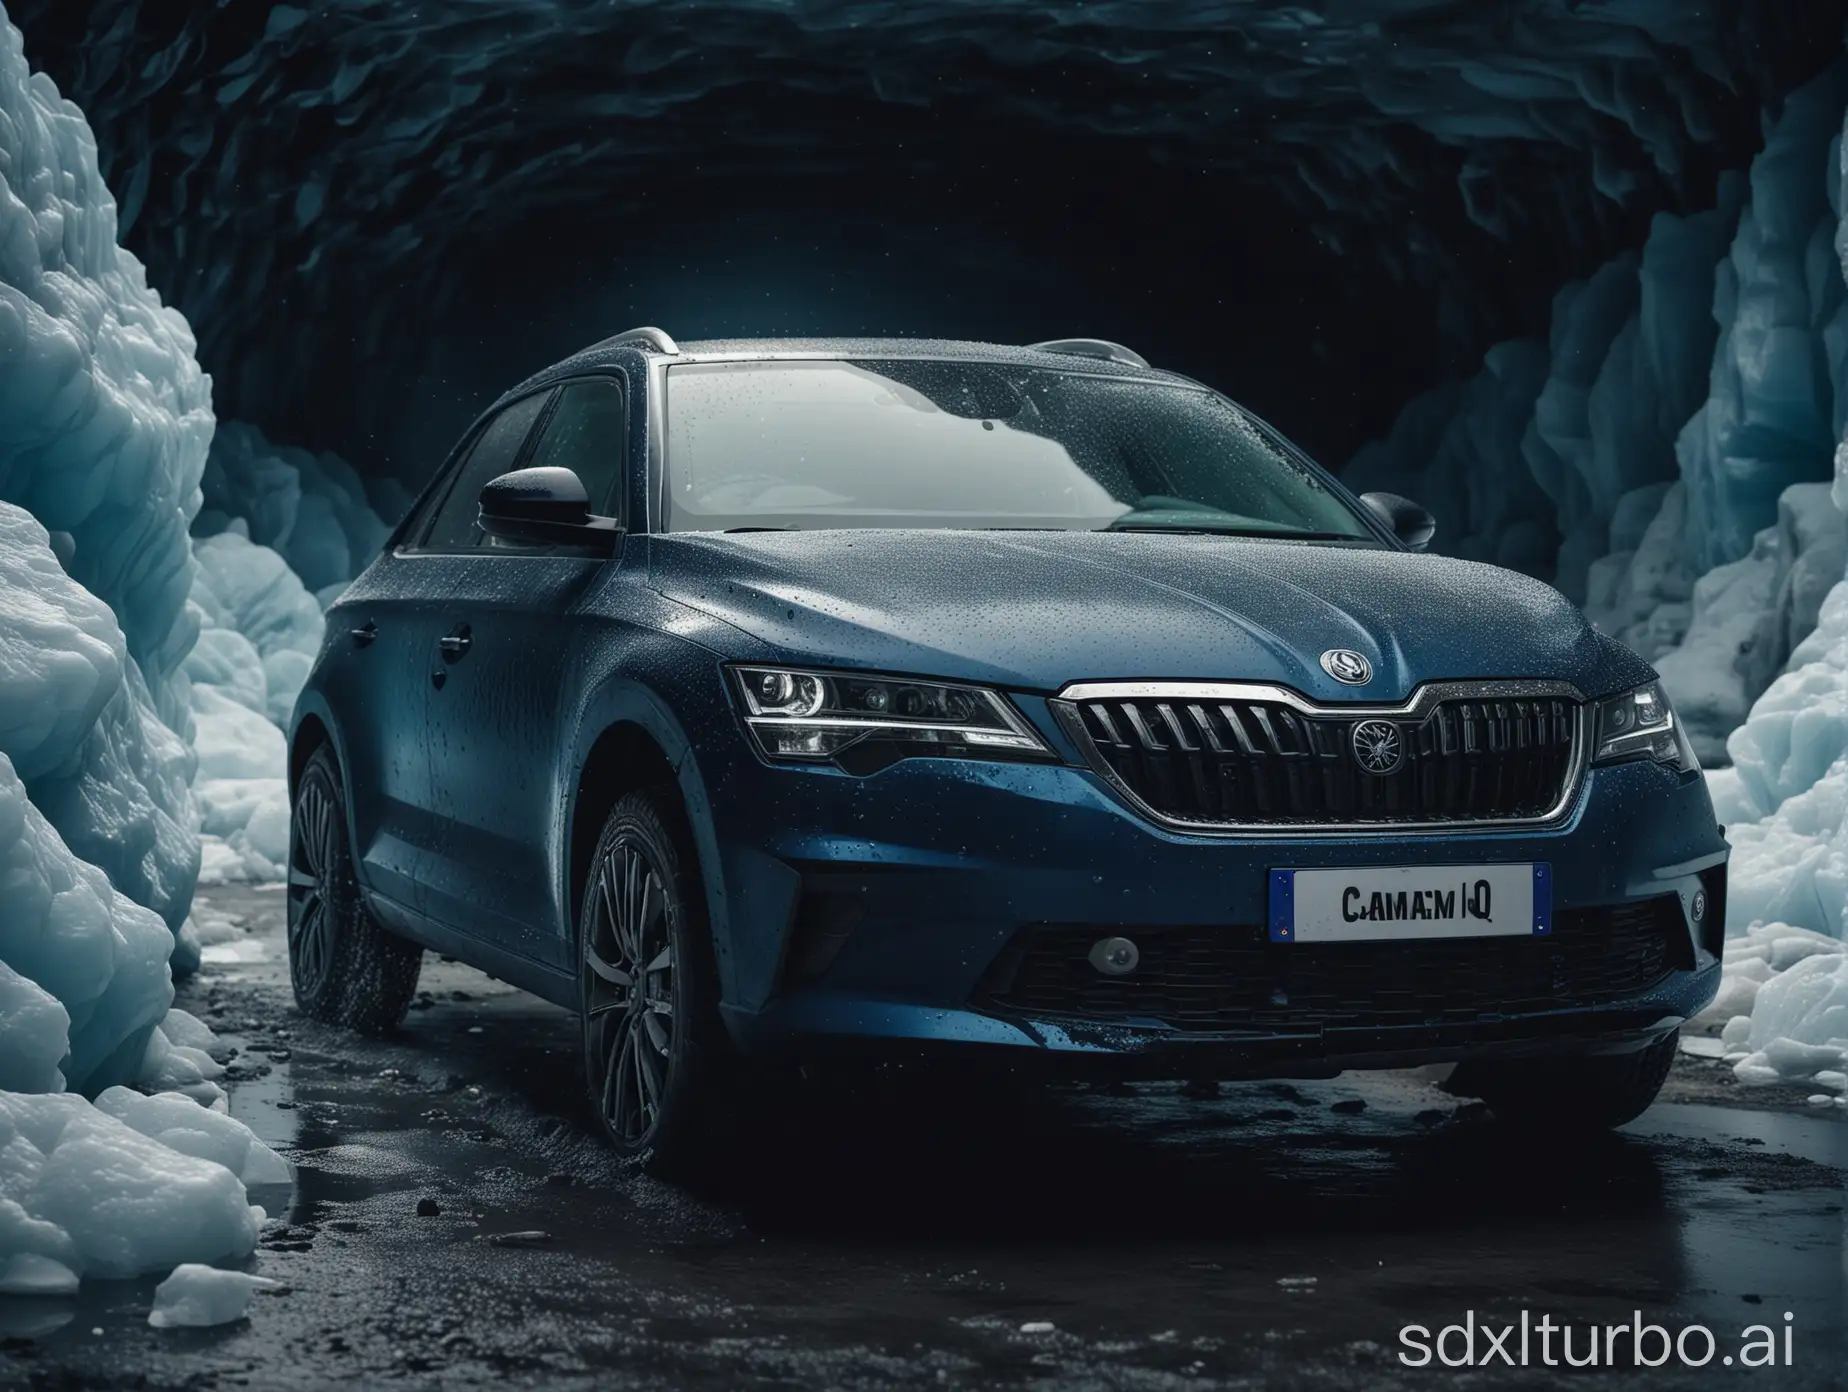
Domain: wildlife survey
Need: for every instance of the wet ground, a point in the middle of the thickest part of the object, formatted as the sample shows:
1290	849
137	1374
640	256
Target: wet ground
454	1224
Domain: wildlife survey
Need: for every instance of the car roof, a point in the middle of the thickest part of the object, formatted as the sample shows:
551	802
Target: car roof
622	350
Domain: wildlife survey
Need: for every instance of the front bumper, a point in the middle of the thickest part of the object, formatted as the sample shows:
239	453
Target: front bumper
867	915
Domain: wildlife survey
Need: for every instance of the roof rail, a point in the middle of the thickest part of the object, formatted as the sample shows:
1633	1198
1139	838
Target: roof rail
648	337
1092	348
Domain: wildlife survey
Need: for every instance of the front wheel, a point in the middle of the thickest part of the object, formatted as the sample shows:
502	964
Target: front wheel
1581	1092
653	1041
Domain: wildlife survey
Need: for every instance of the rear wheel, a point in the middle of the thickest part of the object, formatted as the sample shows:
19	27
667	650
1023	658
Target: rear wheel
654	1047
346	969
1582	1092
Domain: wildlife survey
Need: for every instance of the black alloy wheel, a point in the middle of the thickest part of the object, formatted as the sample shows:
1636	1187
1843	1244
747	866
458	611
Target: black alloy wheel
651	1027
345	968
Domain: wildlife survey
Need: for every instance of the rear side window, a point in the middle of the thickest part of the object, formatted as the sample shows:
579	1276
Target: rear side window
585	435
456	525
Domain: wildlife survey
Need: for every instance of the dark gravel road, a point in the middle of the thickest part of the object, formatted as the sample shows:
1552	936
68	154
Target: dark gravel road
454	1224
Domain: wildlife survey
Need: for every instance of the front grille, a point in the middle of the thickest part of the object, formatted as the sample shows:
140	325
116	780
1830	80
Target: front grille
1266	763
1235	978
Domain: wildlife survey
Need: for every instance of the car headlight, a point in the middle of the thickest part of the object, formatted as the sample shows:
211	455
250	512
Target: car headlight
1641	724
817	716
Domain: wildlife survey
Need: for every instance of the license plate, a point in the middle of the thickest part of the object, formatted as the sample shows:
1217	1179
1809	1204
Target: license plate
1382	903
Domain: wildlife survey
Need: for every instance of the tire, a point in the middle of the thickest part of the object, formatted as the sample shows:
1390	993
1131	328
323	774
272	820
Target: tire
656	1056
346	969
1582	1092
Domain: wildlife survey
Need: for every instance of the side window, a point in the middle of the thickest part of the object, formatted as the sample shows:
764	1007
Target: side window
497	448
585	435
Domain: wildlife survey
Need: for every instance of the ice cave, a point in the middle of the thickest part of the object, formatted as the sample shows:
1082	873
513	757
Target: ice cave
1575	275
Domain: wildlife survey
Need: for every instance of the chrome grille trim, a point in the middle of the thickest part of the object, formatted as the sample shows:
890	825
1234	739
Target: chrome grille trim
1289	737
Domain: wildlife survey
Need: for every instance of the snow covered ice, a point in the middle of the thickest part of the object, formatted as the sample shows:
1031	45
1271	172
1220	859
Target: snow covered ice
196	1295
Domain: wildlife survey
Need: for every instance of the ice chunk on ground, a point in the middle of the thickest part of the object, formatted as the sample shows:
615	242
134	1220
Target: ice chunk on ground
183	1125
82	1187
1799	1024
168	1068
1783	1002
108	417
28	1273
188	1031
196	1295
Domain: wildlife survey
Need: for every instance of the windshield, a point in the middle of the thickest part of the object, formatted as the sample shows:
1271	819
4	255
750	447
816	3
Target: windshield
800	445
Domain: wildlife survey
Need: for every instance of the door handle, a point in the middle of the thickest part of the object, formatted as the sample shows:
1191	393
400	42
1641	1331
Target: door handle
364	634
455	646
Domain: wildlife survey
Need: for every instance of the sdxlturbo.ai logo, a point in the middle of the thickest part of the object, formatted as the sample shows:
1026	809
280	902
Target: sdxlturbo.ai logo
1632	1345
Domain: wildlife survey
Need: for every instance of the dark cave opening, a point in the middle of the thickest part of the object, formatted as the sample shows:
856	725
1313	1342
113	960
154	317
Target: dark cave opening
378	216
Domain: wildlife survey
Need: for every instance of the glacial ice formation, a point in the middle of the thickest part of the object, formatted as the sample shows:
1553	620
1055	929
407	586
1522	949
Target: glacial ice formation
107	422
107	413
107	419
1665	458
1784	995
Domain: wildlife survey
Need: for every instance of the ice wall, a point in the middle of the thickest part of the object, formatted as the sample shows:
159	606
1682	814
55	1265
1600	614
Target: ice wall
1560	453
107	414
107	418
1784	997
1673	462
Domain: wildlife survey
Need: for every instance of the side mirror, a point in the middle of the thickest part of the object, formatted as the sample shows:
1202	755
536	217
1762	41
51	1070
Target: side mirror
545	507
1412	524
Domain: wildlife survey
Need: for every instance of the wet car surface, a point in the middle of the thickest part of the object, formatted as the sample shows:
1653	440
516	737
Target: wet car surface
456	1223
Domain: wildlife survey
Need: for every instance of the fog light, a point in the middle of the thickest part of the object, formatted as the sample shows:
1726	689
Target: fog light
1115	956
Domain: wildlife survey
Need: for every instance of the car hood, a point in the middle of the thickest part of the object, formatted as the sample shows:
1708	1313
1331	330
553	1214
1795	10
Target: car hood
1035	610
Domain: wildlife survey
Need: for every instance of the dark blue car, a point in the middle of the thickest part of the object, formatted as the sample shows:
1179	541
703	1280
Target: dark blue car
766	700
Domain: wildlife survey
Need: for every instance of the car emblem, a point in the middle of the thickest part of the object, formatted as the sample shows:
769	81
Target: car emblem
1376	746
1346	665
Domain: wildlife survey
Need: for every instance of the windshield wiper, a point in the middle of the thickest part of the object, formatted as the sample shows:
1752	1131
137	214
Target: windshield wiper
1266	533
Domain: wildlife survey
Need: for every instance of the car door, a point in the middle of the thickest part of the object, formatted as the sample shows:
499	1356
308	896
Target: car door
374	677
495	719
410	856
